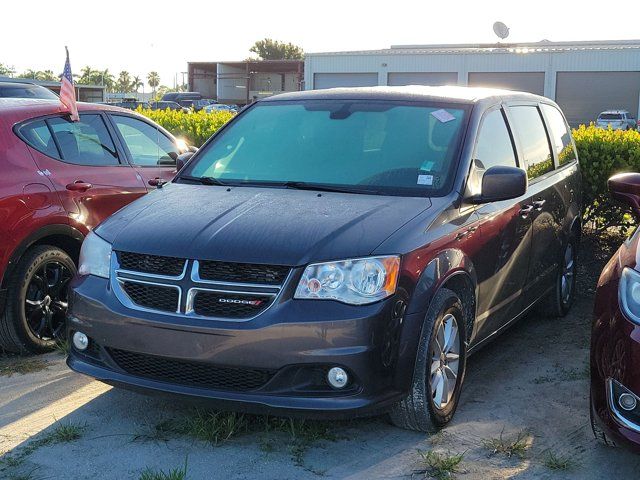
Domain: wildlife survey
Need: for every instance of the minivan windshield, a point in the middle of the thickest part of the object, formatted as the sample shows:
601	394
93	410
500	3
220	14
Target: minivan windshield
389	148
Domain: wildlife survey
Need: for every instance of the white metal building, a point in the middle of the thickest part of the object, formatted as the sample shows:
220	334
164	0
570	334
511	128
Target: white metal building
584	78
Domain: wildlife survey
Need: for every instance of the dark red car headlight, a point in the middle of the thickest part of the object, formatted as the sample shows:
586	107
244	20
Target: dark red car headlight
630	294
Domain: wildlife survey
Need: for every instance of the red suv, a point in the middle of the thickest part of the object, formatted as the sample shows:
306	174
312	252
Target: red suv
59	180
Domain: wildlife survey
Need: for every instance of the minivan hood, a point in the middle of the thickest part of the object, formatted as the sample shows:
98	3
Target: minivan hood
257	225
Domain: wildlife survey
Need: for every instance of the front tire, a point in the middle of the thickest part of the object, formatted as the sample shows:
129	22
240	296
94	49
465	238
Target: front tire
34	317
439	370
558	302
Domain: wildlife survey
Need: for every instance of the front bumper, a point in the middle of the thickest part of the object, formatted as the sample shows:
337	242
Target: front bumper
615	354
292	341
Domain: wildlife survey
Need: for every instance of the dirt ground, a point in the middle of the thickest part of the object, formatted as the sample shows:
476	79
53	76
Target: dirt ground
531	382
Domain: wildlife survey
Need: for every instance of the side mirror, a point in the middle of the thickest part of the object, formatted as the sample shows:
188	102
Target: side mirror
625	187
192	149
502	183
182	159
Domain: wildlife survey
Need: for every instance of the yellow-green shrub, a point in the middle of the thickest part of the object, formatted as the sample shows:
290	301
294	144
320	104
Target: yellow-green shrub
603	153
194	127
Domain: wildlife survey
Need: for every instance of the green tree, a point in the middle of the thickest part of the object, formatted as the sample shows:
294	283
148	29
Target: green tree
269	49
124	82
7	70
137	83
48	76
153	79
30	73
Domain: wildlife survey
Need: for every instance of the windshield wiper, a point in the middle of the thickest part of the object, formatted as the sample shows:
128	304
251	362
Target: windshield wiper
204	180
322	187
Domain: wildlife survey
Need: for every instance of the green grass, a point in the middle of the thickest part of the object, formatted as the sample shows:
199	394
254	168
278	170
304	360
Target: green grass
178	473
62	347
558	462
216	427
10	366
440	466
510	447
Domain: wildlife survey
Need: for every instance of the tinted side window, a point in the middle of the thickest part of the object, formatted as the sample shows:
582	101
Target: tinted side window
494	147
561	136
38	136
529	128
86	142
147	145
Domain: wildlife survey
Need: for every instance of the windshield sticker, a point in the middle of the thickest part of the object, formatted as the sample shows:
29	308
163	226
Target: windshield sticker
427	166
425	180
443	116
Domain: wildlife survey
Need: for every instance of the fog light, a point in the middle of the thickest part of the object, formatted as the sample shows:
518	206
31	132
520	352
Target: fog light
337	377
80	341
627	401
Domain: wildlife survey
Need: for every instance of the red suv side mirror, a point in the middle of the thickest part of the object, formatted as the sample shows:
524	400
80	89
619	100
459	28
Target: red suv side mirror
625	187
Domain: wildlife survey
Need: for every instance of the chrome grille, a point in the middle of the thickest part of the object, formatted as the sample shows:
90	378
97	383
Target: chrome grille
203	289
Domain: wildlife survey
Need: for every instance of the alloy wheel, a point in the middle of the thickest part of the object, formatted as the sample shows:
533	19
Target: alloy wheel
45	304
445	361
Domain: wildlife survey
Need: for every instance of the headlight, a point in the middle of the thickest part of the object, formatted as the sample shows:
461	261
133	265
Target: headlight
358	281
630	294
95	256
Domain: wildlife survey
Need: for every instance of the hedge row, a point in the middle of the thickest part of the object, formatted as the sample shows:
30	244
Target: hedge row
194	127
602	153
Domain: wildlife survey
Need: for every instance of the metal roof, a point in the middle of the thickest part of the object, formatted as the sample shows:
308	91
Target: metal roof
544	46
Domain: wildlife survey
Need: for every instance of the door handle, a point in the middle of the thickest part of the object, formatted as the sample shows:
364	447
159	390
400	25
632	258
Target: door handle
538	204
526	211
467	232
78	186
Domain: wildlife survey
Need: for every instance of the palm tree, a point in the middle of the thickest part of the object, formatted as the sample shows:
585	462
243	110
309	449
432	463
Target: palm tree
123	84
153	78
107	79
136	83
48	75
30	73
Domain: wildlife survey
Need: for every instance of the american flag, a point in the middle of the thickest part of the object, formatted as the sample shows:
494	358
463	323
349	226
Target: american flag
68	92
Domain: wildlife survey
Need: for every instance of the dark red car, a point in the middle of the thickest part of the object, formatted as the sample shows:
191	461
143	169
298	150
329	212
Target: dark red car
59	180
615	340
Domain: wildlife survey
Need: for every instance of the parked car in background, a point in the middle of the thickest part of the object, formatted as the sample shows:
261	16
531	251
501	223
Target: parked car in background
25	90
178	96
615	344
163	105
336	253
617	120
59	180
130	104
219	107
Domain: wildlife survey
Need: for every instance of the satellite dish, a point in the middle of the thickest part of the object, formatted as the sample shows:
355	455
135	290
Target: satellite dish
501	30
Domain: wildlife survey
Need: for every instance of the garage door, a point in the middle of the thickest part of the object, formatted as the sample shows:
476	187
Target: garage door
332	80
422	78
532	82
583	95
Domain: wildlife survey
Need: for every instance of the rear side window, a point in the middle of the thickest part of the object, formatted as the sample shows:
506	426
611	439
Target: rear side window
147	145
494	147
560	134
38	136
530	130
86	142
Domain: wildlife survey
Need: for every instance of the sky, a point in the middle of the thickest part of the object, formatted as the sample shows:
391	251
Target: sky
141	35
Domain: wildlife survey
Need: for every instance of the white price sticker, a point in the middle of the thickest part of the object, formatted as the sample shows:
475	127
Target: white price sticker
443	116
